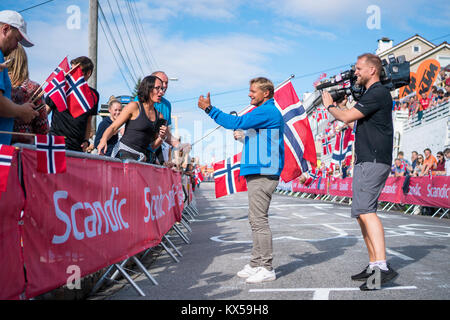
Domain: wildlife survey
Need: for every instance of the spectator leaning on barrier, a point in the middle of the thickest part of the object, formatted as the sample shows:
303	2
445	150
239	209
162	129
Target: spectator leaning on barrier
13	31
447	161
440	97
373	154
425	101
22	90
404	161
265	127
414	156
141	124
420	166
165	108
114	108
429	162
77	131
440	166
398	169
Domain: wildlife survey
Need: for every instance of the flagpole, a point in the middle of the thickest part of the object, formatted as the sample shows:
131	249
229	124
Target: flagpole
18	133
239	113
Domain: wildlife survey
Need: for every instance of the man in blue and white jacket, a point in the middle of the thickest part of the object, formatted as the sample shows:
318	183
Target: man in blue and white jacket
261	163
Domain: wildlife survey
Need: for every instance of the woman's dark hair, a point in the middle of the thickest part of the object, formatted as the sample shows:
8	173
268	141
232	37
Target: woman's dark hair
146	87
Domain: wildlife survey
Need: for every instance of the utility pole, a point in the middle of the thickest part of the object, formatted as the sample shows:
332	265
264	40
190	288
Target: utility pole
93	45
93	40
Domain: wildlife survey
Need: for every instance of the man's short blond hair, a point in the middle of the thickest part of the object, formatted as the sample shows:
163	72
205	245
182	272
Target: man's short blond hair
264	84
373	60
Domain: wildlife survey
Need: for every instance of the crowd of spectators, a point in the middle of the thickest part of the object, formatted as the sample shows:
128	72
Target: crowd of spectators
425	164
421	165
439	94
24	113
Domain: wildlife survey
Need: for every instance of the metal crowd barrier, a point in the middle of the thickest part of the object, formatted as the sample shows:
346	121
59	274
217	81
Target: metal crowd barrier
383	205
188	216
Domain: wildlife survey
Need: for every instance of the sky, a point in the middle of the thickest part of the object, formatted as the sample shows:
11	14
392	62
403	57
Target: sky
217	46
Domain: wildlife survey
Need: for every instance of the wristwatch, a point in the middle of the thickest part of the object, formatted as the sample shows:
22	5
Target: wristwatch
330	106
208	109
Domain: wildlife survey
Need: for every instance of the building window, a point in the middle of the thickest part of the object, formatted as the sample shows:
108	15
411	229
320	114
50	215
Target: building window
416	49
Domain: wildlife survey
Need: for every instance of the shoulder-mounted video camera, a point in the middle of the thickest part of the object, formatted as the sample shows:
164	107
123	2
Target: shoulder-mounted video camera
395	74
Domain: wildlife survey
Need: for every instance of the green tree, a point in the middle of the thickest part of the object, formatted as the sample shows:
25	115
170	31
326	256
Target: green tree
136	88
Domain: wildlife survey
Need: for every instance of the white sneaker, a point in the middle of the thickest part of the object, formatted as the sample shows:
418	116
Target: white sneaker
247	271
262	275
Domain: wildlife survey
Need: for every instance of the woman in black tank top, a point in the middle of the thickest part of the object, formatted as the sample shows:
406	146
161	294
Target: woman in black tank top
142	123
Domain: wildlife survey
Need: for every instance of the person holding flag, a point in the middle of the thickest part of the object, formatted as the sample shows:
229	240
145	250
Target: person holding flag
75	128
13	30
261	164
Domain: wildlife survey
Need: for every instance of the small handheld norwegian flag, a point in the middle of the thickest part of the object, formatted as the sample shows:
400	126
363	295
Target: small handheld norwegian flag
226	176
51	154
79	96
63	66
6	154
56	90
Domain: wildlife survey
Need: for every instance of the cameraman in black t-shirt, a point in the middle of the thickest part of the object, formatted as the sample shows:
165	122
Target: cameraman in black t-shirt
77	131
372	117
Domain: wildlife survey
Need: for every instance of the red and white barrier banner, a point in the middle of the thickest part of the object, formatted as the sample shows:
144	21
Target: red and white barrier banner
340	187
392	191
433	192
12	279
423	191
95	214
318	186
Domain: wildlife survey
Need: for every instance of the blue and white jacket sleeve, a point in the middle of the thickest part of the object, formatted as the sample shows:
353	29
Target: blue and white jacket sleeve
258	118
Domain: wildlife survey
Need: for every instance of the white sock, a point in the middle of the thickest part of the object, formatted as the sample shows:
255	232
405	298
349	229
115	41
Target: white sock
372	265
382	265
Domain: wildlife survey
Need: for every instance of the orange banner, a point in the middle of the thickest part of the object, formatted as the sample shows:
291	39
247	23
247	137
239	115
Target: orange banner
411	87
426	76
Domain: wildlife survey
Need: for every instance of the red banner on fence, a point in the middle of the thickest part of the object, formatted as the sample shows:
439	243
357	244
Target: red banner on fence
423	191
392	191
340	187
433	192
319	186
95	214
12	279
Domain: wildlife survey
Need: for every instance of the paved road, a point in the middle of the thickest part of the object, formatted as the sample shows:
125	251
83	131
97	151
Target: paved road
317	246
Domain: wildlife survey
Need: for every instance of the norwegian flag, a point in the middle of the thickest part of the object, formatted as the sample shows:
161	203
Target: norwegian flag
326	144
322	114
6	155
299	146
198	175
79	96
51	154
227	177
343	147
311	176
56	90
63	66
328	129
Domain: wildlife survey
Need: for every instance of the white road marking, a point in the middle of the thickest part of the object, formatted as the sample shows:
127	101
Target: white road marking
398	254
323	293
